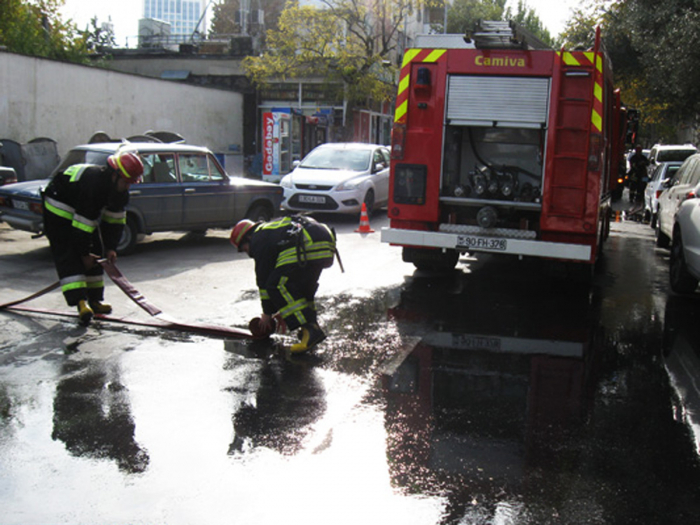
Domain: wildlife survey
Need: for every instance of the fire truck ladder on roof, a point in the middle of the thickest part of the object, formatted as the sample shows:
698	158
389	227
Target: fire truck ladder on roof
489	34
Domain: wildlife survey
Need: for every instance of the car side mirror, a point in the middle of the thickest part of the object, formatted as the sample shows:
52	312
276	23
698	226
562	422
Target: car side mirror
378	167
295	163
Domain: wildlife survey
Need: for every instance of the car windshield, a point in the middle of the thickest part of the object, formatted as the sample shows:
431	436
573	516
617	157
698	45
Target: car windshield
674	155
338	159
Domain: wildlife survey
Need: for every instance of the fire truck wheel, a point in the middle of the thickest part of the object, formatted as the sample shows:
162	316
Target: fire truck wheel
432	260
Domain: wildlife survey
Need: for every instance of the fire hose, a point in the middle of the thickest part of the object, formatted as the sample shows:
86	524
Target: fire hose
162	320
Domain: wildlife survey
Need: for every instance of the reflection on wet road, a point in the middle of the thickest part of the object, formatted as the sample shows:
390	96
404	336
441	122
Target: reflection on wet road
494	395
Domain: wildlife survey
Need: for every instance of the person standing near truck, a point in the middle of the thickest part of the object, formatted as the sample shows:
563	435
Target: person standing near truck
638	174
84	214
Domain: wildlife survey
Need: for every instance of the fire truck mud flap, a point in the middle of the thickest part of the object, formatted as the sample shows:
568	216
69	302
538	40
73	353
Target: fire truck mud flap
478	243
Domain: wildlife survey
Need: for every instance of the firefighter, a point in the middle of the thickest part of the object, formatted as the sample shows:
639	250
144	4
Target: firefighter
638	174
290	254
83	220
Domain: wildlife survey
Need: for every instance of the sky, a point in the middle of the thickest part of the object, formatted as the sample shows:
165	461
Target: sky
125	15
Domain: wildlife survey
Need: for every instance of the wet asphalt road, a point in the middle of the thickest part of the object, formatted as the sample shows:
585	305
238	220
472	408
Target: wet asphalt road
497	394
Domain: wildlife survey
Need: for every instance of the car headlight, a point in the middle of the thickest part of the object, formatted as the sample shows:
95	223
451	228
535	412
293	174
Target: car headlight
349	185
286	182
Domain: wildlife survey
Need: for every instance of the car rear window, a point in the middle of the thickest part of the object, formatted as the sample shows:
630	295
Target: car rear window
674	155
78	156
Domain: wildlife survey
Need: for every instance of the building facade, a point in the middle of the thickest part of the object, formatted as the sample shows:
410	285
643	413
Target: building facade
184	16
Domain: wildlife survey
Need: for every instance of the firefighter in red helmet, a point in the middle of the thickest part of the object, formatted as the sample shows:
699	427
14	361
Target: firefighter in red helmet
290	254
84	214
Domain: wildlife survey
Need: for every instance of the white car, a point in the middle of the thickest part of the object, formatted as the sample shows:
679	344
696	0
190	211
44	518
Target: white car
681	187
685	248
339	178
669	153
662	173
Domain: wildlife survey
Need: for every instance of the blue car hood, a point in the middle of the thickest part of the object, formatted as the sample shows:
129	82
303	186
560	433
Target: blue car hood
30	189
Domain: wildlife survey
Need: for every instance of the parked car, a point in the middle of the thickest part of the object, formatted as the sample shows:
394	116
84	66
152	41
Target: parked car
184	188
677	189
661	175
685	247
669	153
339	178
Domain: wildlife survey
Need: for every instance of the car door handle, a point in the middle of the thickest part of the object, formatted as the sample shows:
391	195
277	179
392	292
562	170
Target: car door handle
135	192
190	190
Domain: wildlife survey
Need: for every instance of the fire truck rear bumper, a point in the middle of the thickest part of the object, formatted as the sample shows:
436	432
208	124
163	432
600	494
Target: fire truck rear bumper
478	243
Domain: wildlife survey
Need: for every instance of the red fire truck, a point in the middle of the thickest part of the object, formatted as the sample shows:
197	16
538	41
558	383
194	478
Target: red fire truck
503	145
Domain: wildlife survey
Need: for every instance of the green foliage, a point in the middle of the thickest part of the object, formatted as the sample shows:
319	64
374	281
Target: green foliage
35	28
463	15
225	15
97	37
528	19
348	44
654	47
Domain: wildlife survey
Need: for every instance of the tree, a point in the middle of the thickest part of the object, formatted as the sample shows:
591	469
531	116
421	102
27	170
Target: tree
99	36
349	44
36	28
526	17
226	15
653	48
464	14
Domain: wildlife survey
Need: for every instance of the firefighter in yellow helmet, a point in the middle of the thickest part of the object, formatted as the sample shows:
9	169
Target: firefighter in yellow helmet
84	214
290	254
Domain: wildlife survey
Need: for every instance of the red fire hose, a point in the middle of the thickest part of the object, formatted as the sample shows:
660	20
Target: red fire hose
164	321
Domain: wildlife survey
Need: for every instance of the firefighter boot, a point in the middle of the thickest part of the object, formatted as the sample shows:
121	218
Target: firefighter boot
311	335
101	308
85	313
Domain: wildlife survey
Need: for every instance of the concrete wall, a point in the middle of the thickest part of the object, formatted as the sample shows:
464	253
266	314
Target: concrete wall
68	103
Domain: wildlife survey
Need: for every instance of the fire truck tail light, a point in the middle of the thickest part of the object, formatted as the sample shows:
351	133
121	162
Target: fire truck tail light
594	152
410	181
398	141
423	77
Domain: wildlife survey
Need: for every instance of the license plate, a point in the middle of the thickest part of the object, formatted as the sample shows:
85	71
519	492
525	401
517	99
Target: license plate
481	243
312	199
20	205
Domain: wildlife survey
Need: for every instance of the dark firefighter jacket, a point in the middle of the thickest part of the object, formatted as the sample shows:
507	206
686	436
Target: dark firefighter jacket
289	244
87	197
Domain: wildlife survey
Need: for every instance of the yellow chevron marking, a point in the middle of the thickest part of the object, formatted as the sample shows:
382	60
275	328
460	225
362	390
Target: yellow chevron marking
596	120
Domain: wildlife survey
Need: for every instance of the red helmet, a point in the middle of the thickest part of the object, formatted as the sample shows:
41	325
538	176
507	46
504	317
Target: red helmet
240	231
128	165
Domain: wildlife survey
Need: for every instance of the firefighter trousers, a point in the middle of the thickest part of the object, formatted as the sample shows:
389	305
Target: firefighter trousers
292	289
77	283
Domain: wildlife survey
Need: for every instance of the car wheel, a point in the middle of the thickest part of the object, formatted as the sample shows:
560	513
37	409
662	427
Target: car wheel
260	213
653	221
681	280
369	201
127	243
662	240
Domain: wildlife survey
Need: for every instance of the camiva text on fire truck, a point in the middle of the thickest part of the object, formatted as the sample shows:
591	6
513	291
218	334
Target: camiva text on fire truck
503	145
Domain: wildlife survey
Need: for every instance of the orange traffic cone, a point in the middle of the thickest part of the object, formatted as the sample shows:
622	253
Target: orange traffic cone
364	221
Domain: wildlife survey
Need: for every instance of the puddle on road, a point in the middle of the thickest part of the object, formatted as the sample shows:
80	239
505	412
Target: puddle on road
478	397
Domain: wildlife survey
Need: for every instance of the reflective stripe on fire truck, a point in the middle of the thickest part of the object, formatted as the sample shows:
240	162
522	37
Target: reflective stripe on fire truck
580	58
597	114
410	56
